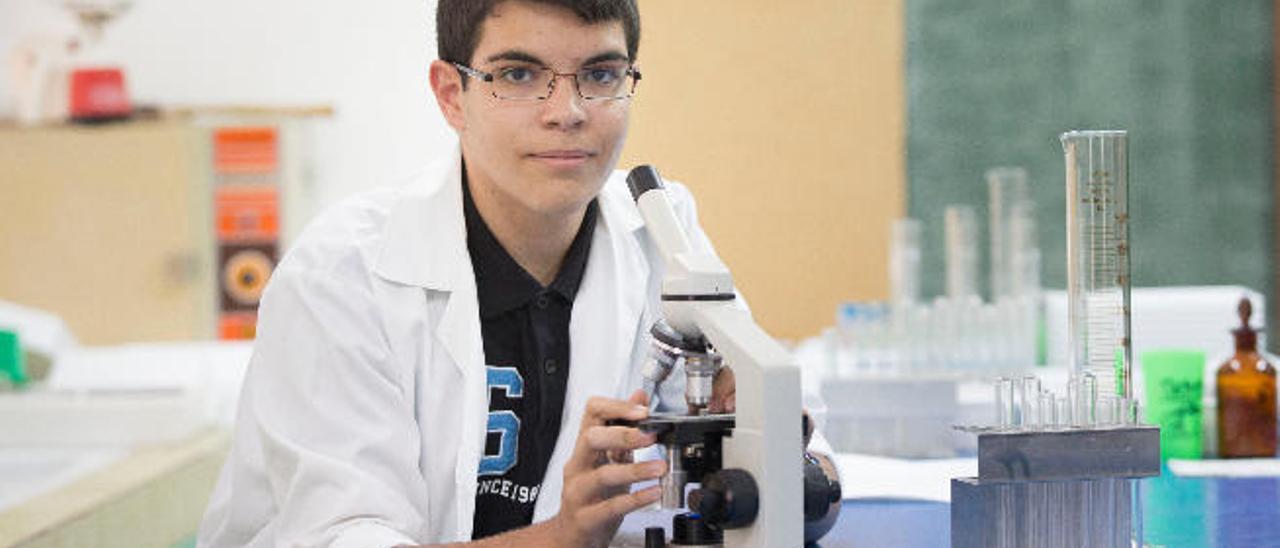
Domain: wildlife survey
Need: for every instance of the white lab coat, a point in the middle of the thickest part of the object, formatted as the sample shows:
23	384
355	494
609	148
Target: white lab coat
363	414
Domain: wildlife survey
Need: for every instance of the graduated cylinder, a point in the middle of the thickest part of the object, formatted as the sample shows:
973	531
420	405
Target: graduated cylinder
1097	180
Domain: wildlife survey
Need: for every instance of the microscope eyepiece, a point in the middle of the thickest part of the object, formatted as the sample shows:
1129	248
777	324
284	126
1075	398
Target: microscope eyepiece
643	179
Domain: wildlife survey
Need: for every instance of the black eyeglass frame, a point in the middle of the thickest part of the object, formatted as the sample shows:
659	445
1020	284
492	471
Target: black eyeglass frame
488	77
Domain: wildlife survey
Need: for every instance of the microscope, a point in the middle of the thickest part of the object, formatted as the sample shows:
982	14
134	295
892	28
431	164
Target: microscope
757	487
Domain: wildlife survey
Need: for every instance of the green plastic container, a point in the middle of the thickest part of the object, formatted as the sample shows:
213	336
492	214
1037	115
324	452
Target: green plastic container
12	364
1174	391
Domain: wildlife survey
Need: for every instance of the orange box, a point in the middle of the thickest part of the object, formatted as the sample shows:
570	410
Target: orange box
245	150
247	213
238	326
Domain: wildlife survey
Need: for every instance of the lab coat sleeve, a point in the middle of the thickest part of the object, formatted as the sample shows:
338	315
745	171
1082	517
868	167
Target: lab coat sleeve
337	429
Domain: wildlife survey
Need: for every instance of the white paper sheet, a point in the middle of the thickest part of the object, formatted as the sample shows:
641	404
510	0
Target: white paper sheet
1225	468
866	476
214	370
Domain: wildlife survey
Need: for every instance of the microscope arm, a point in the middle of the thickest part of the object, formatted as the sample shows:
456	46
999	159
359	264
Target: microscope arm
766	441
762	453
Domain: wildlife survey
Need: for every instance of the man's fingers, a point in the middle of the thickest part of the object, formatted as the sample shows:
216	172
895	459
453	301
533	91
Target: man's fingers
623	504
620	456
600	410
587	452
616	438
616	475
595	490
726	404
639	397
606	481
723	391
626	503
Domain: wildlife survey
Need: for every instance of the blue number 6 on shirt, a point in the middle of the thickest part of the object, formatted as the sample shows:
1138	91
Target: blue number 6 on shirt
505	423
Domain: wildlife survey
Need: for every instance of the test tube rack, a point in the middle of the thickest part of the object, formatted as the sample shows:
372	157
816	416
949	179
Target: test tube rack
1070	481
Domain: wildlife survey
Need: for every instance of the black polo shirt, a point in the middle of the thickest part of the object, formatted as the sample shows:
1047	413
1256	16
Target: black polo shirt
525	328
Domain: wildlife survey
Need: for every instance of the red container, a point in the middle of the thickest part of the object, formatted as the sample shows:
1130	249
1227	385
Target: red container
98	95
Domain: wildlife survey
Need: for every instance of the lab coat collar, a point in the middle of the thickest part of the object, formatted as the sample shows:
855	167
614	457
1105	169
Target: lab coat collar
424	243
617	208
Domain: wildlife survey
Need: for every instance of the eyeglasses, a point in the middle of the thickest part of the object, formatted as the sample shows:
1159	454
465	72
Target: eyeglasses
524	82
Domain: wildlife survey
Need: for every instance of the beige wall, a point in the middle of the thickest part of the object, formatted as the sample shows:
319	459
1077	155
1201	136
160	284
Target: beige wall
787	121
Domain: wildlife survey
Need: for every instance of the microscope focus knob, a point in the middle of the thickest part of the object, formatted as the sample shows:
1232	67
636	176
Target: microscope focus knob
689	529
655	537
729	498
822	496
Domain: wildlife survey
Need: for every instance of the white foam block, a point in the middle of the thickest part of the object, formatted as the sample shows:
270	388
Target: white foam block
51	418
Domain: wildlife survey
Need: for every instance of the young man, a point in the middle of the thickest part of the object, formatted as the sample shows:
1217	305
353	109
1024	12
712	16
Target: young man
436	363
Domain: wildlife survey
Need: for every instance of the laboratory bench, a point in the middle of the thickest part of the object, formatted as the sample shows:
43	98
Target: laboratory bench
155	495
150	495
1178	512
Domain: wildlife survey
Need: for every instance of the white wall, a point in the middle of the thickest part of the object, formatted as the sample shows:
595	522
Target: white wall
367	59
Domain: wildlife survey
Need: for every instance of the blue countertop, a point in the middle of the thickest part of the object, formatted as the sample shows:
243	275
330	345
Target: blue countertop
1191	512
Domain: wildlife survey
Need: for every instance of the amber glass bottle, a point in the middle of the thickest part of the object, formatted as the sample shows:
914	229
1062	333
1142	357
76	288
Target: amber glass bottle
1246	397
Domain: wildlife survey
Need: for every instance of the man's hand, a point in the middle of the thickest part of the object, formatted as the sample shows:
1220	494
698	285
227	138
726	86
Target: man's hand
724	399
723	391
599	474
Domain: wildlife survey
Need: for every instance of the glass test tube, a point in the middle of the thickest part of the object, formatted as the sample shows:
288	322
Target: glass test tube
1023	247
961	227
1097	180
1130	412
1089	399
904	262
1019	390
1108	411
1047	416
1006	186
1004	402
1075	416
1024	282
1030	401
904	287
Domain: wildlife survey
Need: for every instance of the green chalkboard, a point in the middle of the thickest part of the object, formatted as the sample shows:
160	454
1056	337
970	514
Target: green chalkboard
995	82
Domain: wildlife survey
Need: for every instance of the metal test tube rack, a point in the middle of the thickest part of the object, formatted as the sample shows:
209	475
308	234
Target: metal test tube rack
1063	471
1061	475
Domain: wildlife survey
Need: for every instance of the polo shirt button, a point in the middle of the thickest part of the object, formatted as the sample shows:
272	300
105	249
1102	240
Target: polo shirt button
543	301
550	366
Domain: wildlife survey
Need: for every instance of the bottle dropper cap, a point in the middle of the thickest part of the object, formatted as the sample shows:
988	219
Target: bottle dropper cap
1246	337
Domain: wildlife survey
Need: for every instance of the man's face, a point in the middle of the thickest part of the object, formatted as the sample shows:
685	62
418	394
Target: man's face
549	157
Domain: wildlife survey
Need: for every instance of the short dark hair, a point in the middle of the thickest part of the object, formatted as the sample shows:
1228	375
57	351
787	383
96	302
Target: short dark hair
458	22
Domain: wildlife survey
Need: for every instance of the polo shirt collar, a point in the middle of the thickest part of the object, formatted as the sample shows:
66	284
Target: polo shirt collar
502	284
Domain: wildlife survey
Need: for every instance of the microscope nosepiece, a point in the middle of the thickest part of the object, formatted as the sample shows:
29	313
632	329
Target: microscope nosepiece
697	393
700	373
